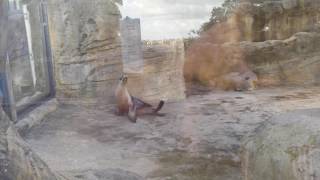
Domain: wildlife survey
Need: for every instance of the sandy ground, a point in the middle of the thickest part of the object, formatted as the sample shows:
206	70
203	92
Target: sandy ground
198	139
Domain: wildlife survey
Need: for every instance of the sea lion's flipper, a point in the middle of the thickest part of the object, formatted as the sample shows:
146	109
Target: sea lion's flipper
160	105
132	114
139	104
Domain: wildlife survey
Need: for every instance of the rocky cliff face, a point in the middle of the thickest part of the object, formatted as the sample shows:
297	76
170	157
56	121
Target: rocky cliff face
294	61
277	40
86	47
268	20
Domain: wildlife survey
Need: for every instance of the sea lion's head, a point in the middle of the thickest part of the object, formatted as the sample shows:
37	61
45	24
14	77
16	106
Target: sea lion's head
124	79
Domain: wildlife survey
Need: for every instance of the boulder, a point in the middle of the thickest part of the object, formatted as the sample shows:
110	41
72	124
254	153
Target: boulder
17	160
286	149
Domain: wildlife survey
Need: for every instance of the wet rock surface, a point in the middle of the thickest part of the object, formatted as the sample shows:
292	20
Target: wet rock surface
199	138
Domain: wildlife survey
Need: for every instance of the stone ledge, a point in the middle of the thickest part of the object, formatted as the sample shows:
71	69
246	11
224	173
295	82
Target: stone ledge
36	116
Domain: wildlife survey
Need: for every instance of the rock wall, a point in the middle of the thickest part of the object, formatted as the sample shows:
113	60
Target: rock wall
266	20
17	160
162	76
293	61
285	149
86	47
277	19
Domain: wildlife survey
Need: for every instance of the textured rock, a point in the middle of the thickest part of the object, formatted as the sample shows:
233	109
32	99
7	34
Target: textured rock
162	76
108	174
287	150
17	160
294	61
198	139
239	82
268	20
36	116
86	47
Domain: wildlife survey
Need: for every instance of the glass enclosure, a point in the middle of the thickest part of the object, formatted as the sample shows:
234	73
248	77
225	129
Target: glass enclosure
27	54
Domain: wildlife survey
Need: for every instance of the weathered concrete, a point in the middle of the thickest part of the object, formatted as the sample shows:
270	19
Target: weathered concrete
199	138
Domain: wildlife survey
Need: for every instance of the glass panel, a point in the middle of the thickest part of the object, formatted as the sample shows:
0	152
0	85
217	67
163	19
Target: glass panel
27	55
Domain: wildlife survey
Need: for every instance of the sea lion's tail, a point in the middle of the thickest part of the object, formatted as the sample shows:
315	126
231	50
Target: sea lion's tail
160	105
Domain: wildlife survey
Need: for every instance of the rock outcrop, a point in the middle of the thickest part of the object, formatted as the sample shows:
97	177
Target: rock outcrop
17	160
255	20
162	76
287	149
86	47
277	40
293	61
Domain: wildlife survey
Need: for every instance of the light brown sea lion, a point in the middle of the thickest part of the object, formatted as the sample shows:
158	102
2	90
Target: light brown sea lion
132	106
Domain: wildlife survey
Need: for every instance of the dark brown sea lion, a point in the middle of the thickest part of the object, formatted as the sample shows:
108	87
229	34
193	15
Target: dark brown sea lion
132	106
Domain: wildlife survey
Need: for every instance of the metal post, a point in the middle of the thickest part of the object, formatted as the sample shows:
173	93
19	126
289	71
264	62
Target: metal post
4	60
11	100
48	52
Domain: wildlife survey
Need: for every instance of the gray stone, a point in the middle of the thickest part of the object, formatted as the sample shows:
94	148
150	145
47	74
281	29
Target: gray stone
108	174
293	61
162	76
17	160
86	47
289	4
36	116
288	149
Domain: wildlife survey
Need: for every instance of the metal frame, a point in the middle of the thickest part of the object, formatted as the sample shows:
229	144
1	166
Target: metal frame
47	42
9	100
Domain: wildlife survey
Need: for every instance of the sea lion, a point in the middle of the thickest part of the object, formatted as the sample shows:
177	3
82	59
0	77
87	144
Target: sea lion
132	106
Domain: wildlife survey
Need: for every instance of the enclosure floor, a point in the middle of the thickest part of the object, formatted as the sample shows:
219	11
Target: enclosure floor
198	139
